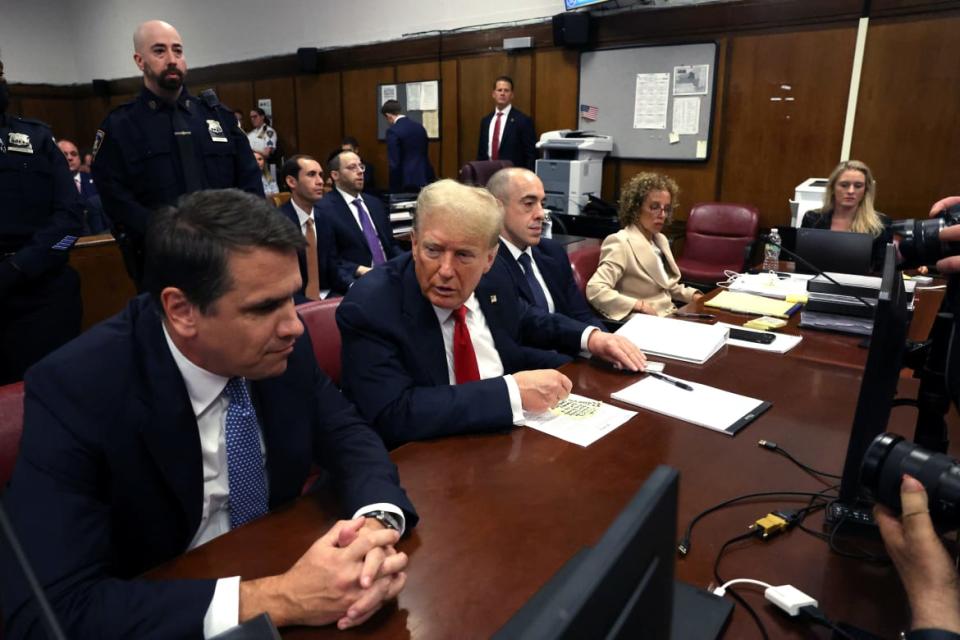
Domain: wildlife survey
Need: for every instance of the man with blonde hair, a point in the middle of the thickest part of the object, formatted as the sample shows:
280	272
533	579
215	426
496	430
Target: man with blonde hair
434	347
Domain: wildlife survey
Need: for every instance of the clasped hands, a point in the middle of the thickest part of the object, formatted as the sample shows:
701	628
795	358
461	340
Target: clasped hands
344	577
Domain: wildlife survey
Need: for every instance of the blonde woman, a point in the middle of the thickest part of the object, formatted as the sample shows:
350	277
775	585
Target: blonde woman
270	186
637	272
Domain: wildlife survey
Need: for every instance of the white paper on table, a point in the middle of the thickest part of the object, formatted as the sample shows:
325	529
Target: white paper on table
582	431
429	98
686	115
704	406
650	101
782	342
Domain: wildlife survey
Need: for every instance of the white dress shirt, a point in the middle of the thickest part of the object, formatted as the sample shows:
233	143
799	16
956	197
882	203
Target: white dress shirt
303	216
488	359
515	252
209	403
493	125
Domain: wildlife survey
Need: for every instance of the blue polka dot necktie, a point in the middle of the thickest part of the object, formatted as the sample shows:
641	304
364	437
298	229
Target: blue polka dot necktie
246	473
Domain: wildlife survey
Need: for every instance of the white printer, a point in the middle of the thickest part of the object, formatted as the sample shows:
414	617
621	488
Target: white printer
571	167
808	196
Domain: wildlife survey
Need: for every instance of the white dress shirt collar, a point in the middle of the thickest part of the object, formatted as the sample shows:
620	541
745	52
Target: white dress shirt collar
505	112
349	198
444	314
203	387
514	251
302	215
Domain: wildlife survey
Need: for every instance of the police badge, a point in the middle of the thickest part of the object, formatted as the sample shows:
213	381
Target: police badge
19	142
216	131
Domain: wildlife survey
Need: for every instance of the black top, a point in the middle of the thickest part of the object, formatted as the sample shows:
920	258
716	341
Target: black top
823	218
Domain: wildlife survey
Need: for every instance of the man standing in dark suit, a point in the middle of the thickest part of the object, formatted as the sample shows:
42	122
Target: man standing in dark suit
303	176
359	225
195	410
95	221
538	267
507	133
410	167
432	347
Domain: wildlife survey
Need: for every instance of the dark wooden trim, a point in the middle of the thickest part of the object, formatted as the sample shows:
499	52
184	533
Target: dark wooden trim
882	8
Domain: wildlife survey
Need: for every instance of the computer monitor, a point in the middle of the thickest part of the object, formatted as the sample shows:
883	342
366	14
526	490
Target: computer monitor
834	251
570	5
622	587
877	389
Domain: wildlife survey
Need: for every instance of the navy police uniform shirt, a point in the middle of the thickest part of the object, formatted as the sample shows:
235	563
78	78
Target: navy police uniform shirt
137	163
41	213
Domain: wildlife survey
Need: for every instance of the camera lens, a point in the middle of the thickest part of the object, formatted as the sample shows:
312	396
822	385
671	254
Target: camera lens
889	457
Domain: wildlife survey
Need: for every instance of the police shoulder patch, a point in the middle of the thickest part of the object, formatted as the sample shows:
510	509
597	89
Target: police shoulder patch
97	141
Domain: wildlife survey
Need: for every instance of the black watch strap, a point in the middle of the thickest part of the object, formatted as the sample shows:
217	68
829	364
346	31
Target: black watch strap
387	519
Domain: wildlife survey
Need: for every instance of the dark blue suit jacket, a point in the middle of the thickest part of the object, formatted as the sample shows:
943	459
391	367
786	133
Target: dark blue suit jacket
109	479
95	219
410	166
325	249
554	265
395	363
518	142
349	247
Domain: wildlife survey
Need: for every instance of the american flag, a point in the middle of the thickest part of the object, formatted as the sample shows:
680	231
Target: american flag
588	112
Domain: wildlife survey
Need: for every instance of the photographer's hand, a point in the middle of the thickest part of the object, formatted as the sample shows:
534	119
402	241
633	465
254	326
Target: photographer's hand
925	569
949	234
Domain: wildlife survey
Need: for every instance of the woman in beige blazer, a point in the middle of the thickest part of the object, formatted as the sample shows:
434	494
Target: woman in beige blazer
637	272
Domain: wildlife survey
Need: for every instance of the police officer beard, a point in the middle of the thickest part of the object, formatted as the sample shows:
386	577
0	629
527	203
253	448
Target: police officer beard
170	84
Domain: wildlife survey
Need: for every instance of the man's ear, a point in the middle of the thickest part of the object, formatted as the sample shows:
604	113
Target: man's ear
181	314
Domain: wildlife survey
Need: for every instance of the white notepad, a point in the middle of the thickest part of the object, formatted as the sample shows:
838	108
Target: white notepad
704	406
672	338
583	429
782	343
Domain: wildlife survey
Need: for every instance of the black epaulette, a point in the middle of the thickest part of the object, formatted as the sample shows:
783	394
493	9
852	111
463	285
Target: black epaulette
209	96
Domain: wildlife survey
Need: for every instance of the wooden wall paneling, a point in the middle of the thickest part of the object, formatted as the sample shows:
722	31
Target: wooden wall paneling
893	7
281	92
415	72
59	113
906	123
91	112
769	145
556	87
319	114
449	120
237	95
119	99
360	114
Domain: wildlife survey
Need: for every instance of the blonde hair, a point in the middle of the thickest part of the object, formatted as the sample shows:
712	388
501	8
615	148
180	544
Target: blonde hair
865	219
472	209
633	195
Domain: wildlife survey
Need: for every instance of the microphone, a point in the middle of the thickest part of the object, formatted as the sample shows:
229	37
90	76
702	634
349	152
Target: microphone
766	238
46	611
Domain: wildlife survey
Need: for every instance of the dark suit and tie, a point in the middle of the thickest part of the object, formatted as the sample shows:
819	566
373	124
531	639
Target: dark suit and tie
325	249
554	266
517	142
394	362
95	220
361	234
410	167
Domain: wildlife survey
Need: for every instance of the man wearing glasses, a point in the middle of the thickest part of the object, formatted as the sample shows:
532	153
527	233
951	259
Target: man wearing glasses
361	229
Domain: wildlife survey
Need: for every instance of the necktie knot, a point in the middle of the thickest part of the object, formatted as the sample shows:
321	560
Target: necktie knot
524	261
236	390
460	314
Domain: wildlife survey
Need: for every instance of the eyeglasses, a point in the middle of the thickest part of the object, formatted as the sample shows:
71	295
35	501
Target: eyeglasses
356	167
657	208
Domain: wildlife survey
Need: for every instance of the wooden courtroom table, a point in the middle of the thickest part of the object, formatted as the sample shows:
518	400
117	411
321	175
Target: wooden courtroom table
501	513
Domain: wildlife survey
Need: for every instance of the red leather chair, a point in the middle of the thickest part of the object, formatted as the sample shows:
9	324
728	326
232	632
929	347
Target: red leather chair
478	172
11	426
319	319
720	236
584	262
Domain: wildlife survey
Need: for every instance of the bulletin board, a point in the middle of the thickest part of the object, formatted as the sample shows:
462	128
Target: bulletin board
419	101
657	102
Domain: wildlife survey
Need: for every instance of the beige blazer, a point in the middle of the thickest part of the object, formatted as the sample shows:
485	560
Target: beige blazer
629	271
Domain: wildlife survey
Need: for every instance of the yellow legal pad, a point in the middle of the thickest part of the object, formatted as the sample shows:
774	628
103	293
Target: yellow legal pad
740	302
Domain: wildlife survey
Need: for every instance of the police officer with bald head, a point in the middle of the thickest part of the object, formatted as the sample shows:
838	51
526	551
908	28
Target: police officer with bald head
41	216
166	142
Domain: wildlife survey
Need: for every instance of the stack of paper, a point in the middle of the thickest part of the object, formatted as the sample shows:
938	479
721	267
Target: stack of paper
579	420
769	284
672	338
748	303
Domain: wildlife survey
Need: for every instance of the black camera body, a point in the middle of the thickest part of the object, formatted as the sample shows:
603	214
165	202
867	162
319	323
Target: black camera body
889	457
920	242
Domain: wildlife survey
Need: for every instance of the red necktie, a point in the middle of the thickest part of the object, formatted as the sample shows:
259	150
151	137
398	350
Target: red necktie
464	358
495	145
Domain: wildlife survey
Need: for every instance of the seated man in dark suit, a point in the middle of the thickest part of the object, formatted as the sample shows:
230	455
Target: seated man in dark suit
195	410
539	267
507	133
303	176
95	220
433	348
360	227
349	143
410	167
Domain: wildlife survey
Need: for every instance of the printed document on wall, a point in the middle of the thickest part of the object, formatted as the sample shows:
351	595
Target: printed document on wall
429	98
650	101
686	115
413	96
388	92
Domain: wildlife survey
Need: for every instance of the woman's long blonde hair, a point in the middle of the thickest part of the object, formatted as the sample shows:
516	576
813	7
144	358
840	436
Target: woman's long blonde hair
865	219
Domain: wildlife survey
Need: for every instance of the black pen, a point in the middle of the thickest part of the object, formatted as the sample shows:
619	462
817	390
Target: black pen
698	316
676	383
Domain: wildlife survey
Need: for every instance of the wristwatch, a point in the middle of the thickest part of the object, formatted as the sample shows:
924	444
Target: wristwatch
387	519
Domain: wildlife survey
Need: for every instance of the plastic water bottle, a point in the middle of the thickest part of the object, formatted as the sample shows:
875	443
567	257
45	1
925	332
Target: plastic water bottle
771	252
